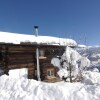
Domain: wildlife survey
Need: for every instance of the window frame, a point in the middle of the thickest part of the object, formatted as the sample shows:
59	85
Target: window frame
50	73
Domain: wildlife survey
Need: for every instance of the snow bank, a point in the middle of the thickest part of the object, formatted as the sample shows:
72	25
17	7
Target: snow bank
26	89
91	77
8	37
18	73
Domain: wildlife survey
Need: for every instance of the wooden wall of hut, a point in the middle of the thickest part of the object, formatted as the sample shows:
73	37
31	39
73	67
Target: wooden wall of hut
15	56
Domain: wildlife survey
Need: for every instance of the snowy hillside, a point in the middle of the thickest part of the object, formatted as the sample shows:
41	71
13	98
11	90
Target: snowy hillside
93	54
8	37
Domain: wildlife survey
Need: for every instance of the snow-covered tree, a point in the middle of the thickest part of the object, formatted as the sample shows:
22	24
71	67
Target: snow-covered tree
71	64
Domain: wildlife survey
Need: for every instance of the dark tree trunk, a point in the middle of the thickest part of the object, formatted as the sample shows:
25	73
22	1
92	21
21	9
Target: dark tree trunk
70	69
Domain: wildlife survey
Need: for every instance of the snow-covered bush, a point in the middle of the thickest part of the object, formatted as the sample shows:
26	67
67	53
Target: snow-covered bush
71	64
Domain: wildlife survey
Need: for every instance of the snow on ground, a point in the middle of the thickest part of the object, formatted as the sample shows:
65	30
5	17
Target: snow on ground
28	89
15	38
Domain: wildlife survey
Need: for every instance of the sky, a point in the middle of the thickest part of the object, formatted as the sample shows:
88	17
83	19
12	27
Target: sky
76	19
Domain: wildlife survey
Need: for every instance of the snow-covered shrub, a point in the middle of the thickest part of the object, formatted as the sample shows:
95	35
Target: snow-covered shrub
72	62
62	72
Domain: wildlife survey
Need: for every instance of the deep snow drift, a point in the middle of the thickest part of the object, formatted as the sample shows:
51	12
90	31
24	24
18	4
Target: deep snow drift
26	89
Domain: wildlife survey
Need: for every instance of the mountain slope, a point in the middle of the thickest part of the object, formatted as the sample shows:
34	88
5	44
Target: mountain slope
93	54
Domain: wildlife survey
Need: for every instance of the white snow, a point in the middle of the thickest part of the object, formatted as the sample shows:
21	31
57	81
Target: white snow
15	38
82	46
18	73
85	62
91	77
71	54
26	89
62	72
56	62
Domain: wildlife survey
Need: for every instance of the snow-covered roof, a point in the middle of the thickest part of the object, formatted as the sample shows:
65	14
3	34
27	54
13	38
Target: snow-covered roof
15	38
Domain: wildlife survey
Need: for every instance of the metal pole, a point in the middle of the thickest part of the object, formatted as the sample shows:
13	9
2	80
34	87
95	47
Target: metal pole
38	66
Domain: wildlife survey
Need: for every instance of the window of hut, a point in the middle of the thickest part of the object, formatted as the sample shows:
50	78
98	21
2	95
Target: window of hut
50	72
42	54
1	56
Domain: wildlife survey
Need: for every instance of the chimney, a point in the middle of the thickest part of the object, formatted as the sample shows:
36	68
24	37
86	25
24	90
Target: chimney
36	30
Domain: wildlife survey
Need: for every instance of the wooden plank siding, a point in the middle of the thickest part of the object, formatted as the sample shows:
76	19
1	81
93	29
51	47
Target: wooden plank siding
16	56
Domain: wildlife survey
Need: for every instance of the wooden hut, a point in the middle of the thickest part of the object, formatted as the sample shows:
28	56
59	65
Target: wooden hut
16	56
